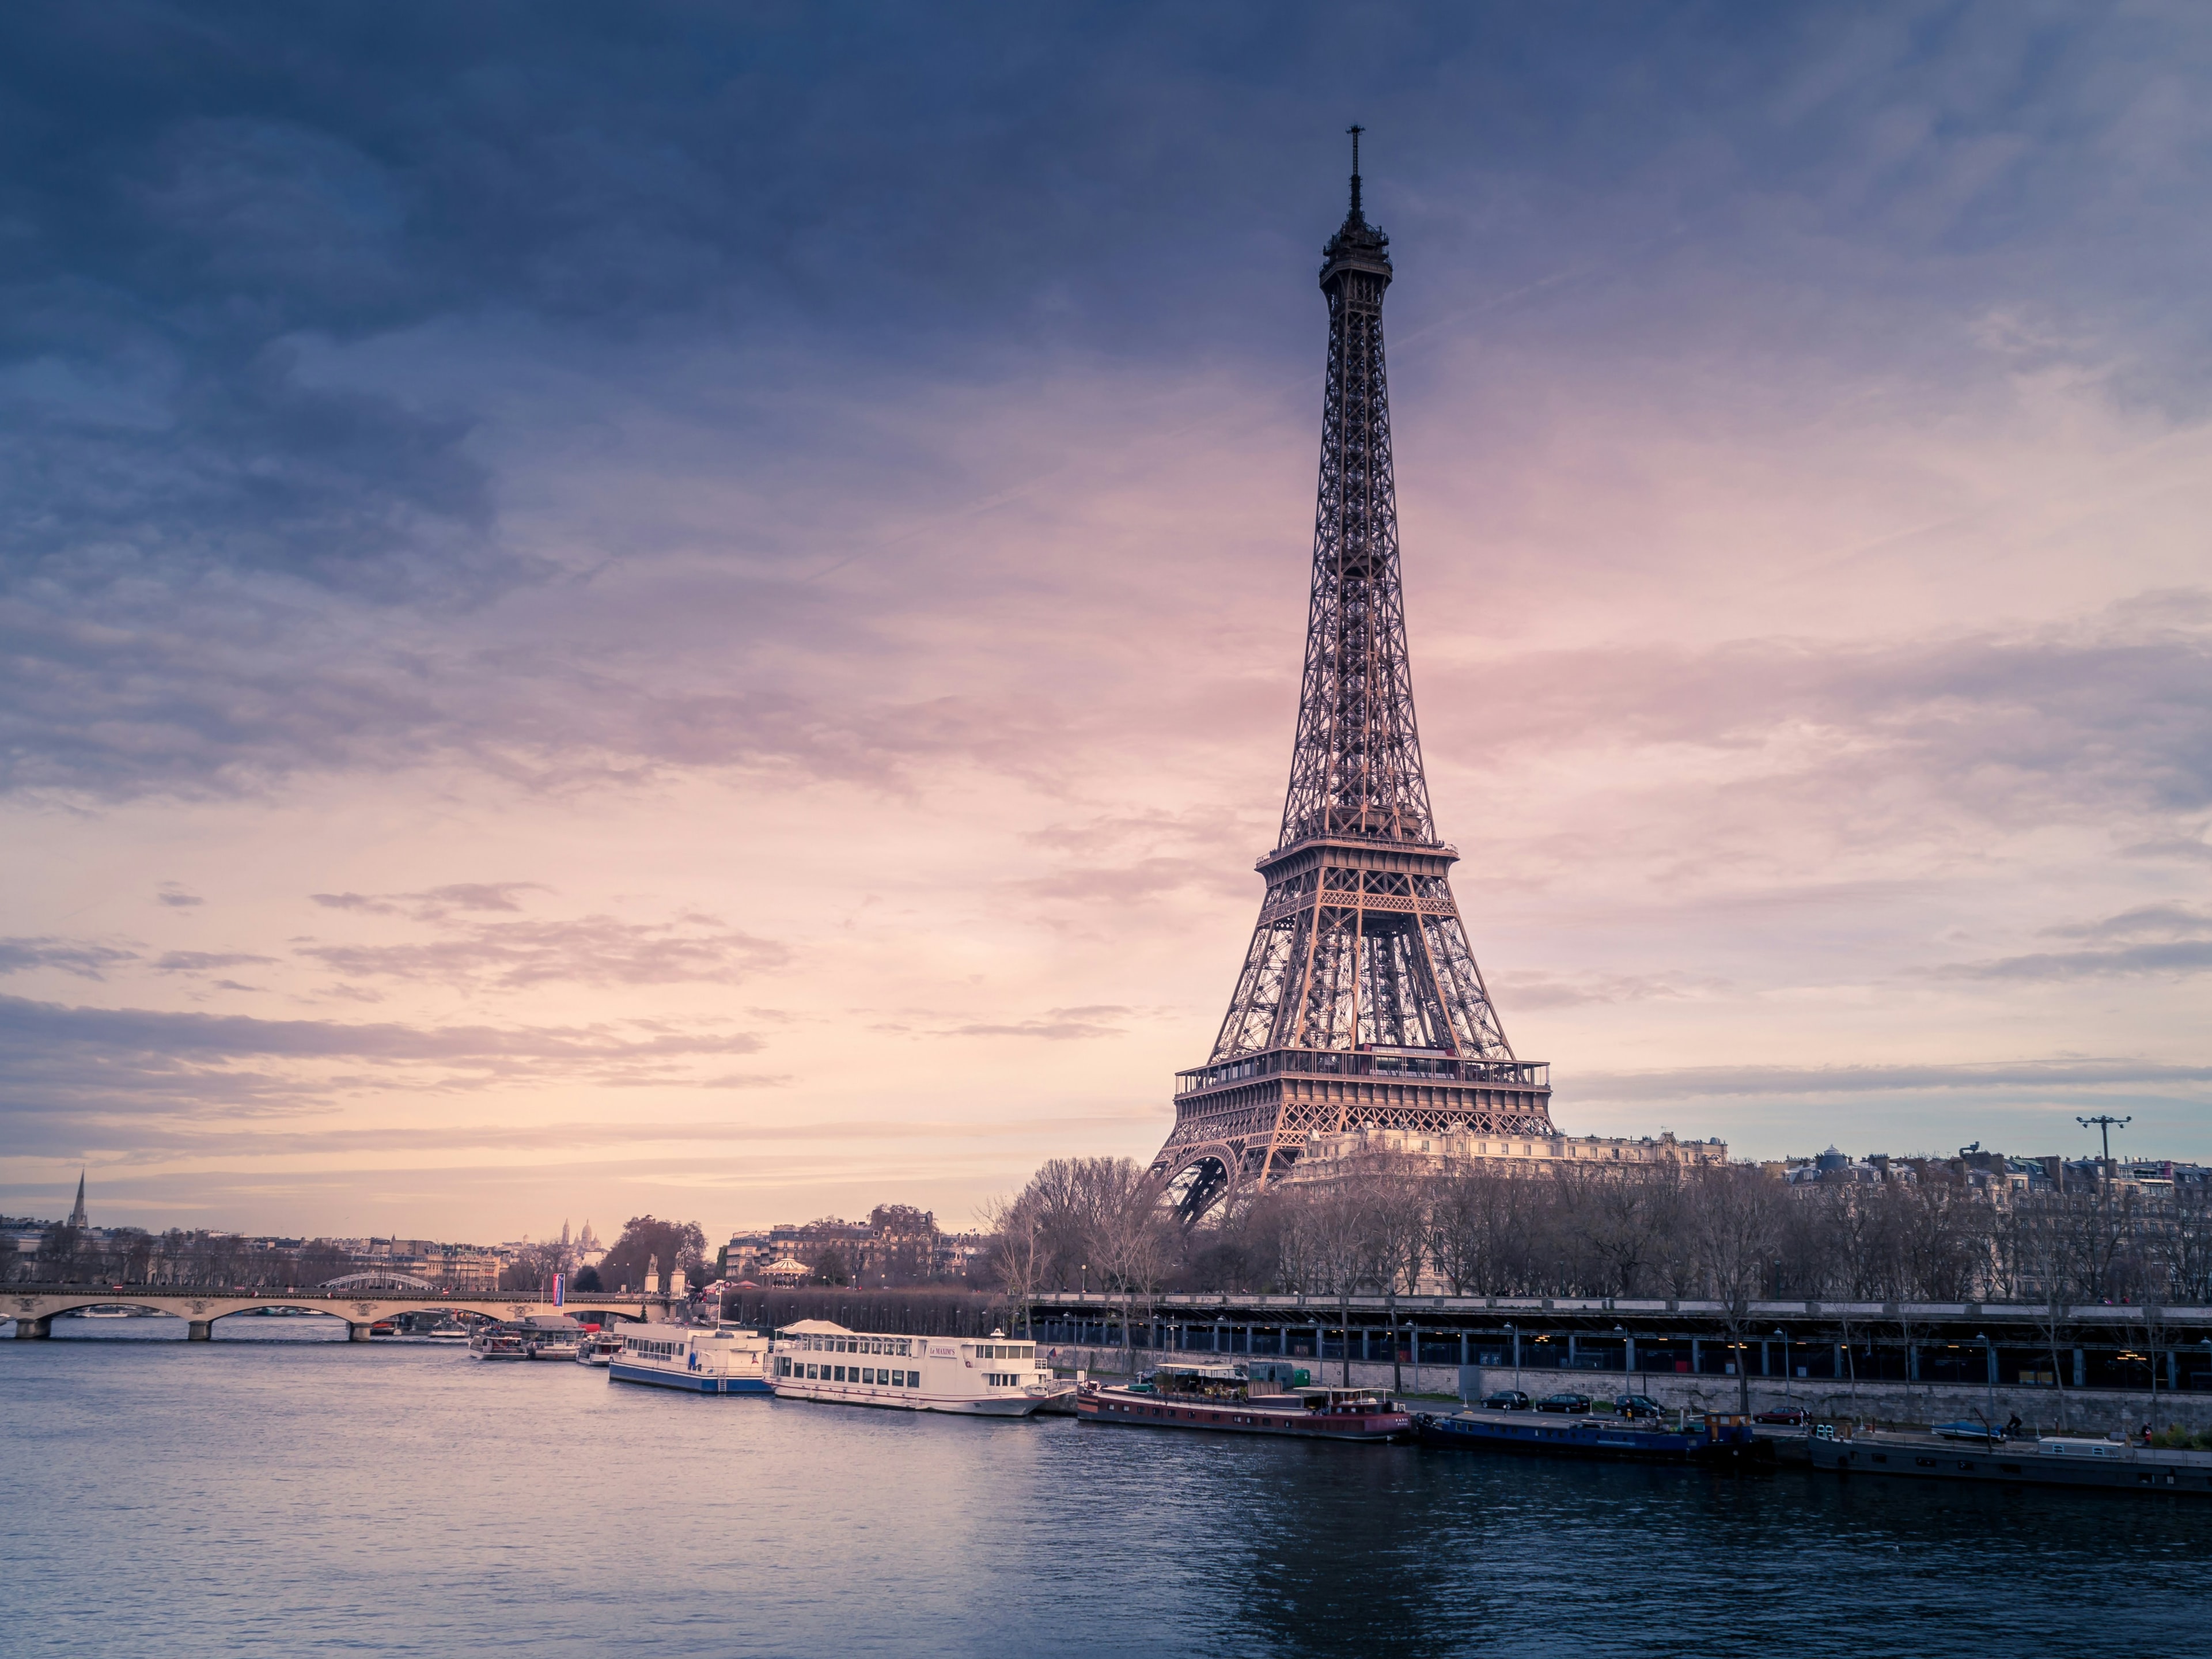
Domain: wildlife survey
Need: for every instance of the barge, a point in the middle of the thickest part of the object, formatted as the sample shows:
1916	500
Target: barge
697	1361
1696	1440
1229	1400
2053	1461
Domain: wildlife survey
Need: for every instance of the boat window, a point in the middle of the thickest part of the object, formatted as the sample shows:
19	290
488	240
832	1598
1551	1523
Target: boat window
868	1374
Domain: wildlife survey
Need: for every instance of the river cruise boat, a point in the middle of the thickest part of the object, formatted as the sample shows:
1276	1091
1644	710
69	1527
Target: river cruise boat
989	1377
723	1360
599	1347
1230	1400
539	1336
2052	1460
496	1340
1694	1440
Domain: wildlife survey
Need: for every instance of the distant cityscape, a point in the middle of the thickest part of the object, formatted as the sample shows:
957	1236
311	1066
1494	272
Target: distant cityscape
898	1245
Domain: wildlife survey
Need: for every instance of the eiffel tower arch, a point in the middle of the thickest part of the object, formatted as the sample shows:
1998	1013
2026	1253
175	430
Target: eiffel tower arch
1359	1003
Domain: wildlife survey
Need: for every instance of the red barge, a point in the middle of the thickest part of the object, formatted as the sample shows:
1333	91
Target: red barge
1224	1400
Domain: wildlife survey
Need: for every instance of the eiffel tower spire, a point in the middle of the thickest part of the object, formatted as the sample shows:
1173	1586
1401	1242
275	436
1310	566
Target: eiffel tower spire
1359	968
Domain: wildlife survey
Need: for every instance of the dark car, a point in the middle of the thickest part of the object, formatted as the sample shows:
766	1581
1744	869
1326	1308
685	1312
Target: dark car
1506	1400
1794	1416
1637	1405
1572	1403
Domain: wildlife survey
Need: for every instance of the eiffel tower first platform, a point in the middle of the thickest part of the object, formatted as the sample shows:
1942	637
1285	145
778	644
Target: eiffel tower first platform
1359	1003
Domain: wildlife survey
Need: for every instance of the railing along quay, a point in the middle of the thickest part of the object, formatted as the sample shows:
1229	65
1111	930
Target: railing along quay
1969	1343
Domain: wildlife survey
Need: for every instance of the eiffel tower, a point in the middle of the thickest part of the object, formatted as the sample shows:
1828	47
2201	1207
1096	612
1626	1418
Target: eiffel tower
1359	1004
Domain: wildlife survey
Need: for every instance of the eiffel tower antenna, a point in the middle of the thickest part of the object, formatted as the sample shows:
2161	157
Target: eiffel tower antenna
1359	1003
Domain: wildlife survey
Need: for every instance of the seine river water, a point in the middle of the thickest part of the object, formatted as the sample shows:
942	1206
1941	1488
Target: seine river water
276	1491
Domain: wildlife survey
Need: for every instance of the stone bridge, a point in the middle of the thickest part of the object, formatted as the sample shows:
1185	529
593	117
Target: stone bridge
33	1307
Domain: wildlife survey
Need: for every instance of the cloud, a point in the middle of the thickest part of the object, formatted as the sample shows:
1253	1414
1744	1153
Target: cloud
595	950
2113	712
1800	1082
433	903
2169	940
176	897
1058	1025
1534	990
63	1058
79	957
202	961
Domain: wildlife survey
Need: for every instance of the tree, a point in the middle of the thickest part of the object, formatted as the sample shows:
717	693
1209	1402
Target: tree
1398	1234
1018	1251
906	1243
1738	1211
677	1245
1128	1242
1331	1249
1478	1225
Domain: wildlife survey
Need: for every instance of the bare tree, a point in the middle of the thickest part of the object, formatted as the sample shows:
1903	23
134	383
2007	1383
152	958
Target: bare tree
1017	1252
1738	1213
1397	1225
1128	1239
1330	1249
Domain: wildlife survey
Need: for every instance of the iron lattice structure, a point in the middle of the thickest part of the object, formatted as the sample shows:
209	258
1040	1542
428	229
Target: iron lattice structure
1359	1002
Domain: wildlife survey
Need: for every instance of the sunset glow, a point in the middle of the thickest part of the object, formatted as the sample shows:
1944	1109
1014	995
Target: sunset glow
710	624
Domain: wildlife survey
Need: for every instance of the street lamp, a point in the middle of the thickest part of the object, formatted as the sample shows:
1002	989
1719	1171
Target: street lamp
1513	1336
1787	1391
1989	1379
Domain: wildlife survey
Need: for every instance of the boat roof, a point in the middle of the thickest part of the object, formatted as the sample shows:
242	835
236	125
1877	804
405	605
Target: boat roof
1224	1373
816	1328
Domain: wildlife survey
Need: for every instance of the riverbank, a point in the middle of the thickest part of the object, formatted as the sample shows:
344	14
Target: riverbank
2091	1411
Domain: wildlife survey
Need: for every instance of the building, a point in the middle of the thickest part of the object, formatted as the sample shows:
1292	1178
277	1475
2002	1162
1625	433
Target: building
1332	1157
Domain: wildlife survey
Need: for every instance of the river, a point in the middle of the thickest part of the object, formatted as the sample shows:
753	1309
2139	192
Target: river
277	1492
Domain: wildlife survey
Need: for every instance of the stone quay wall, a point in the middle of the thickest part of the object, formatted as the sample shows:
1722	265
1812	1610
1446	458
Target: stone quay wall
2094	1411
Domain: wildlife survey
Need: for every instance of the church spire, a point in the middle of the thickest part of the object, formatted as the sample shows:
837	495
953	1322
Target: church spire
77	1216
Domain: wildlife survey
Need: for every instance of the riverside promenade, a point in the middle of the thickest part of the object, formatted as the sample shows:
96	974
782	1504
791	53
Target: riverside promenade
2087	1366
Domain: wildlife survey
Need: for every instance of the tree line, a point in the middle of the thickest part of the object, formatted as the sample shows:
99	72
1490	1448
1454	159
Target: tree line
1727	1233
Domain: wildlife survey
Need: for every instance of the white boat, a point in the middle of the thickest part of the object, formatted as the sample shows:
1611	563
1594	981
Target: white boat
538	1336
451	1331
816	1359
694	1359
110	1311
599	1347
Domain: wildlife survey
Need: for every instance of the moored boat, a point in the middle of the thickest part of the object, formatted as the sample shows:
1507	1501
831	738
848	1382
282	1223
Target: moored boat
2053	1461
497	1340
549	1336
818	1360
1229	1399
599	1347
1707	1440
696	1359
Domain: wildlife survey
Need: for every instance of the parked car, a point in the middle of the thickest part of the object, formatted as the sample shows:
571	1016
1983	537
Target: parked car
1573	1403
1792	1415
1506	1400
1969	1428
1637	1405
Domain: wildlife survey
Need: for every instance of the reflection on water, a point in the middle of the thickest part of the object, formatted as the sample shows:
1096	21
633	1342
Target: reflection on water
280	1491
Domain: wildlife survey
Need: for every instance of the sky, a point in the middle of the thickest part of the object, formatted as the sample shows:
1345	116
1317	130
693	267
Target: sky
697	610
